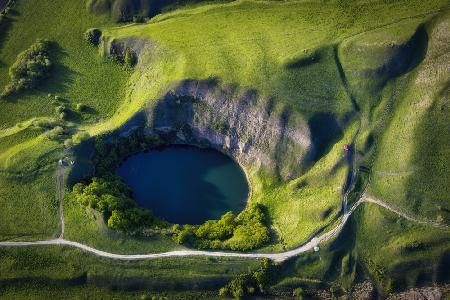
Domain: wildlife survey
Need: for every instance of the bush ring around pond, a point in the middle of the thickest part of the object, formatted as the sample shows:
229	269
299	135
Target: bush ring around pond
107	193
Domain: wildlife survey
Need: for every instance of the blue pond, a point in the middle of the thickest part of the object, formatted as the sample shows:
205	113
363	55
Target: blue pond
185	184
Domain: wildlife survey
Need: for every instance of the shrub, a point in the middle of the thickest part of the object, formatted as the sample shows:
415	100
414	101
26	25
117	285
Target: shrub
61	109
250	283
112	197
298	293
56	133
47	123
30	67
68	143
92	36
81	107
217	230
138	19
80	137
129	59
247	231
130	220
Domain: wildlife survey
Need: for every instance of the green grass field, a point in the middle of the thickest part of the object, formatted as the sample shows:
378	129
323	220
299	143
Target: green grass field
29	206
409	170
64	271
379	69
396	254
79	74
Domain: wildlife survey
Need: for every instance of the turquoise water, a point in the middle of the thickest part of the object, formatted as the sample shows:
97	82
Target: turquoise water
185	184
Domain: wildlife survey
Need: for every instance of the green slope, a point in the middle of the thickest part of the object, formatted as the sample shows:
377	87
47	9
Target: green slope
379	68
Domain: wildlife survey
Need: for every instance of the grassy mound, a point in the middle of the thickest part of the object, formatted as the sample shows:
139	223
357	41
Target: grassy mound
372	75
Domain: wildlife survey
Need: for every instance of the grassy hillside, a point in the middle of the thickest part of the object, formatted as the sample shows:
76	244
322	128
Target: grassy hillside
409	170
74	274
79	75
378	71
312	67
393	253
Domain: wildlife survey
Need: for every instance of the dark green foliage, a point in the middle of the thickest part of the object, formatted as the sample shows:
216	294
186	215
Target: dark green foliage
81	107
56	133
120	10
130	219
247	231
220	126
47	124
129	59
63	108
92	36
138	19
31	66
250	283
109	154
107	193
112	197
121	55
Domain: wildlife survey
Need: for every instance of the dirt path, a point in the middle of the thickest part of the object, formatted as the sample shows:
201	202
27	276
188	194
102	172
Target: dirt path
59	193
372	199
277	257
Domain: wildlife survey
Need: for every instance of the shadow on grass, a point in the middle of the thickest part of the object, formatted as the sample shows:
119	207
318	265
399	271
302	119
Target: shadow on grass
325	132
307	60
6	23
58	80
61	77
406	59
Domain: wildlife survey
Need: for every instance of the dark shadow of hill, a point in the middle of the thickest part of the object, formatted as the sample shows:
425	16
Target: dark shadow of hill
407	57
61	77
125	10
325	132
5	24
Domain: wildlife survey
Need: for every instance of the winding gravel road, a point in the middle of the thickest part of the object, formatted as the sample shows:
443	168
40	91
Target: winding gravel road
277	257
381	203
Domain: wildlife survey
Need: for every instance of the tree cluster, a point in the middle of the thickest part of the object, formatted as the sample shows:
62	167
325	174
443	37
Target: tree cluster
92	36
251	283
110	196
30	67
249	230
122	55
108	154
